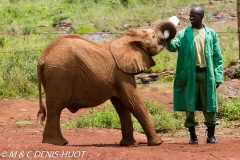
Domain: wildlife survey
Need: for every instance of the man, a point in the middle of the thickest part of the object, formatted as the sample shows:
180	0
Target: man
199	72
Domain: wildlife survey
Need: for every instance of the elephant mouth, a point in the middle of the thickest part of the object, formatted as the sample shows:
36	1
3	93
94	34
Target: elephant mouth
162	42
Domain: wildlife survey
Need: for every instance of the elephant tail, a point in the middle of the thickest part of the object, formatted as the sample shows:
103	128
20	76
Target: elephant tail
42	111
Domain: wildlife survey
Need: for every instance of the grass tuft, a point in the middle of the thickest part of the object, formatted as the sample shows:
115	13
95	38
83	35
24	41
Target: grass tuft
23	123
107	117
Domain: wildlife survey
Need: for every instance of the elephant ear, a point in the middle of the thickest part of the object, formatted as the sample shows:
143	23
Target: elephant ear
130	53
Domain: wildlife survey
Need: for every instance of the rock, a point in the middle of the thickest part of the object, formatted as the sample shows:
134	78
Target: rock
230	88
63	23
224	15
65	26
147	78
230	72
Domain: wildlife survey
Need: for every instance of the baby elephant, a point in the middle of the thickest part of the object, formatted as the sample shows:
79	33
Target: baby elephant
76	73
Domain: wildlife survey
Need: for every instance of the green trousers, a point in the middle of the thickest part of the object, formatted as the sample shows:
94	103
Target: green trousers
201	97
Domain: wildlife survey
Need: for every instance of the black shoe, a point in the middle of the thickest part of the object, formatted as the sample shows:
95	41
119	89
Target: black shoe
212	140
210	135
193	140
193	136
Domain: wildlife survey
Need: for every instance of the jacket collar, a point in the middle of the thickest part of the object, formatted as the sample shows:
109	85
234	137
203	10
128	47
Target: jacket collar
189	33
189	29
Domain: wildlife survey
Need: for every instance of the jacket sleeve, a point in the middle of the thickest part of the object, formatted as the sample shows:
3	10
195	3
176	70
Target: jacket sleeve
174	44
217	60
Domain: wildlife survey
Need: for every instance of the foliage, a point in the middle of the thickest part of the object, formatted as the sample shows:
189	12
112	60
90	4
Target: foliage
237	72
163	119
19	76
26	27
228	38
165	61
107	117
229	108
18	73
166	79
108	14
23	123
1	42
82	29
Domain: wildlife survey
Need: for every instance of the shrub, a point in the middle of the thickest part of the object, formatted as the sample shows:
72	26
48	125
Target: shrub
237	72
2	42
23	123
229	108
18	74
107	117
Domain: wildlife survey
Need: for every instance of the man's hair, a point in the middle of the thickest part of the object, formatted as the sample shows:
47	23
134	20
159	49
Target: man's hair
198	9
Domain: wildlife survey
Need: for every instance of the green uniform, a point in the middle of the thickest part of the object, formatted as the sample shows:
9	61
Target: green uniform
185	77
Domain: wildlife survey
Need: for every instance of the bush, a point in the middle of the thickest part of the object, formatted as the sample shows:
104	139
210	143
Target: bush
163	119
237	72
85	29
18	74
2	42
229	108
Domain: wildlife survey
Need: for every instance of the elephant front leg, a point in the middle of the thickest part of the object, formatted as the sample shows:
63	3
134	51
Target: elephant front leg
143	118
148	127
52	132
126	123
136	106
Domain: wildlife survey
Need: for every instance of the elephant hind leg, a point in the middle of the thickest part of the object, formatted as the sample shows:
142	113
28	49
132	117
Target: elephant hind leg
52	132
61	136
126	123
54	140
127	142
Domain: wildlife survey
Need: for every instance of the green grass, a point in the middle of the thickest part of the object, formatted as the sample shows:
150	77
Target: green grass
163	119
23	123
107	117
99	14
26	28
229	109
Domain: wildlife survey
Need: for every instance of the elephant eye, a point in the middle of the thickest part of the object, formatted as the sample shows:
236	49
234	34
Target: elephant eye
153	35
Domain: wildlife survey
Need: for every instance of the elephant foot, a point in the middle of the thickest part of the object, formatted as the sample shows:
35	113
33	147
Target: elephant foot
55	141
125	142
155	142
65	141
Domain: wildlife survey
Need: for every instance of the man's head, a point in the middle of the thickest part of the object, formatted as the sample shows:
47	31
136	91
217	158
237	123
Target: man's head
196	16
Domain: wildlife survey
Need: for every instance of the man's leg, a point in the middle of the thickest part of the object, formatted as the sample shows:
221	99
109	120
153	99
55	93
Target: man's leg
190	123
190	120
210	120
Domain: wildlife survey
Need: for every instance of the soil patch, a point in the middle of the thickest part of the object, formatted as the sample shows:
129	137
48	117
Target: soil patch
92	143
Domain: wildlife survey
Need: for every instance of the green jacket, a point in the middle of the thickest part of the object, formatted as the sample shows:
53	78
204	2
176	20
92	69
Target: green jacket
185	78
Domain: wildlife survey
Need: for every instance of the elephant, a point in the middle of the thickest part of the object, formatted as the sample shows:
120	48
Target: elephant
76	73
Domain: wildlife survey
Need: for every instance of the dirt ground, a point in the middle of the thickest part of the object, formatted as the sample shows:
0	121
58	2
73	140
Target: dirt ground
91	143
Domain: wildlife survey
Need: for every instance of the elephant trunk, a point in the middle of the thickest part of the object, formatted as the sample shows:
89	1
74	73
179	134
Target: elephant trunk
163	25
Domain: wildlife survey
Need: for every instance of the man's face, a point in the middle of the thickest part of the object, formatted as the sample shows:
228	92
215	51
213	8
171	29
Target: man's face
196	18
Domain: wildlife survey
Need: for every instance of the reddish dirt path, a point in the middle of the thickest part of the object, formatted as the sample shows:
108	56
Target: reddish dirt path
25	142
